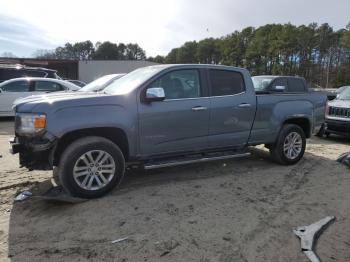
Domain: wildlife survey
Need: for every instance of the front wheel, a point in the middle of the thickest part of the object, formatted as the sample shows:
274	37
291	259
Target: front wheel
91	166
290	145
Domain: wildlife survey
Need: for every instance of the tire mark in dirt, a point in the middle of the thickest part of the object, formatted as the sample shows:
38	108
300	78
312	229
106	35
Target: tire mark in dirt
293	180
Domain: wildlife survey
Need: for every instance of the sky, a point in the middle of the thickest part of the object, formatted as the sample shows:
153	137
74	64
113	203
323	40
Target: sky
156	25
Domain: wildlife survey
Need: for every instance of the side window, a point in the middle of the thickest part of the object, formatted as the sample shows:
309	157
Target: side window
296	85
47	86
224	82
17	86
280	82
180	84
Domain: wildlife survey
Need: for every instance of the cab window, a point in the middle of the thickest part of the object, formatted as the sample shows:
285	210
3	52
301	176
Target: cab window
224	82
180	84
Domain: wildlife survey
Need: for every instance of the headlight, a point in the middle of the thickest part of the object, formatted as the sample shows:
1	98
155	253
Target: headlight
30	123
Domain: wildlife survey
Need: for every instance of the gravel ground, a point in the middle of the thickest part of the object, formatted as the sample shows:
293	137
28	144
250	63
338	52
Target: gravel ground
236	210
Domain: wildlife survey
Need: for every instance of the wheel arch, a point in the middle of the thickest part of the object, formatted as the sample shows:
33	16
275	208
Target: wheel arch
302	122
116	135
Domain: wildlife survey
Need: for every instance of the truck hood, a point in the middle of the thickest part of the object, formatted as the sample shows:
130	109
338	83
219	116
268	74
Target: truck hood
58	100
339	103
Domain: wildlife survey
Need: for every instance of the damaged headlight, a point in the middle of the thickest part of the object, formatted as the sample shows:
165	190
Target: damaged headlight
30	124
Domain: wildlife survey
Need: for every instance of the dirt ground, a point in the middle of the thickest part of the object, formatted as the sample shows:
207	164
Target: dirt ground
236	210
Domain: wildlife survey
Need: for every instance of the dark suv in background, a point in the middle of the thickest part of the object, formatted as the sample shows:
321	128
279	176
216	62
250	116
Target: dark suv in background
10	71
283	84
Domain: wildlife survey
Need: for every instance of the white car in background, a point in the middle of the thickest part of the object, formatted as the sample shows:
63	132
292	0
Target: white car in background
14	89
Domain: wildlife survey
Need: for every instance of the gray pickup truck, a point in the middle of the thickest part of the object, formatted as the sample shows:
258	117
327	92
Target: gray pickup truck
160	116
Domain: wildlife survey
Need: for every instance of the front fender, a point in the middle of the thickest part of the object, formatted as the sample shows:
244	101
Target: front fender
69	119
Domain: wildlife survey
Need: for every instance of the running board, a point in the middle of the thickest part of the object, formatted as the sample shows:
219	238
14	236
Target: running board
191	161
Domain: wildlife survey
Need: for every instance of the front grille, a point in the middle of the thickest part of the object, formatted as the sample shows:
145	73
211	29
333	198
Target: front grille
339	112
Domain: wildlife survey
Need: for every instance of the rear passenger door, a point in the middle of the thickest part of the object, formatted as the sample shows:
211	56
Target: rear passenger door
232	109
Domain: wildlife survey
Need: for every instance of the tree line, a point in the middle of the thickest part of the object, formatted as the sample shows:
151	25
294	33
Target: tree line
86	50
316	52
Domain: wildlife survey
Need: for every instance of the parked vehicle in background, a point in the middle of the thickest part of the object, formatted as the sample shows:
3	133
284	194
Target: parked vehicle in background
100	83
340	89
338	114
77	82
161	116
289	84
331	93
11	71
14	89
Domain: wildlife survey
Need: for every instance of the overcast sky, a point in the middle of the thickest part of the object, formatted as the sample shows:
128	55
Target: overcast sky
156	25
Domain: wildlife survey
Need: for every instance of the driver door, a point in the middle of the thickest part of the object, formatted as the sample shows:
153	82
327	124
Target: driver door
180	122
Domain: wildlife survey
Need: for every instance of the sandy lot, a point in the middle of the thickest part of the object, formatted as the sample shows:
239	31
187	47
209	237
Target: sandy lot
236	210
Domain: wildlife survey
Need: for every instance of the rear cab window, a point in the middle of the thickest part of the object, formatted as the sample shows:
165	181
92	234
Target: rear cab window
16	86
296	85
225	82
280	82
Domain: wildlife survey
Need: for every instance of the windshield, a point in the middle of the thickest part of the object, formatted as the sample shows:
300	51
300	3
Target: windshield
340	89
100	83
132	80
345	94
261	82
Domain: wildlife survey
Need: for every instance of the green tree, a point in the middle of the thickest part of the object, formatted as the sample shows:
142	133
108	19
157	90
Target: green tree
107	51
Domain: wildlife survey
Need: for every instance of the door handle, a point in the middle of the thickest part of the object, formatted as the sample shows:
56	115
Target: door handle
244	105
199	108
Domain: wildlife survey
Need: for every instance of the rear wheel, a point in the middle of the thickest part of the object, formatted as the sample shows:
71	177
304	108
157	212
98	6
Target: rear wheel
290	145
91	166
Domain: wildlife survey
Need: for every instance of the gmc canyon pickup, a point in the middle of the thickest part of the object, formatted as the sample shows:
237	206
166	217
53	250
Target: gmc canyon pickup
160	116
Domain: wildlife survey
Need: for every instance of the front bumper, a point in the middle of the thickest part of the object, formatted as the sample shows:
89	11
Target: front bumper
34	153
337	127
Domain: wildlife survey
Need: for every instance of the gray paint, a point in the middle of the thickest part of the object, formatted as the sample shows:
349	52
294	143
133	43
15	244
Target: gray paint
90	70
172	126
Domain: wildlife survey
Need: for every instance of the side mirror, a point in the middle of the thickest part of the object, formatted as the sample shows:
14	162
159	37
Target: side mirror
278	88
155	94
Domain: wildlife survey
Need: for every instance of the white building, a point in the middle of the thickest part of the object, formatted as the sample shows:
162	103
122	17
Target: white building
92	69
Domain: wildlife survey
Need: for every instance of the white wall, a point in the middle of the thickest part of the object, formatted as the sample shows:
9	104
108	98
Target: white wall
90	70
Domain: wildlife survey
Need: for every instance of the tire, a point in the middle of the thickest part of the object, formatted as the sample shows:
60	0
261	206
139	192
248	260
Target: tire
289	156
91	166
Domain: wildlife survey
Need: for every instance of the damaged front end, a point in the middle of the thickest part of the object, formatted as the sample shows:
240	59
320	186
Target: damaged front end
35	146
